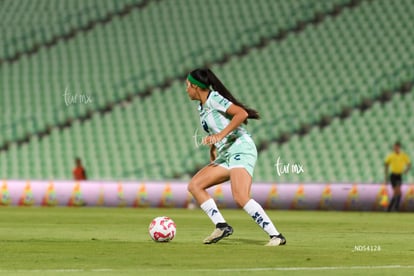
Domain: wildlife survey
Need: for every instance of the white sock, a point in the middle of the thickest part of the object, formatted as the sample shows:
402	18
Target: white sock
210	208
260	217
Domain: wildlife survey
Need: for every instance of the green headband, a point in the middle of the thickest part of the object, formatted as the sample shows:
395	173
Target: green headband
192	80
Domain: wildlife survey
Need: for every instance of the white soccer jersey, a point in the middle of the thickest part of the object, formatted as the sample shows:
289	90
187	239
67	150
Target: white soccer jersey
213	118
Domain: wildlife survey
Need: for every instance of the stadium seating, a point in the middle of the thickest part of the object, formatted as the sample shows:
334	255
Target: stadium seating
294	81
128	55
349	150
31	24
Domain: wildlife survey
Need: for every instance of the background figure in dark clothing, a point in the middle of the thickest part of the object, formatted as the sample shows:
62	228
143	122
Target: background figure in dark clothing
79	172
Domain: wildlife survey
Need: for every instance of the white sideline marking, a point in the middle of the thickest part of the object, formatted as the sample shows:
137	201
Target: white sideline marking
306	268
253	269
63	270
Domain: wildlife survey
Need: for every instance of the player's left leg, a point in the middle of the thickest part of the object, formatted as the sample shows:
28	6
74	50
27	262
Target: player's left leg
241	182
397	194
394	183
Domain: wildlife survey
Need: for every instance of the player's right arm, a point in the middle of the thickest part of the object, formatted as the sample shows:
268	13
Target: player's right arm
386	174
386	163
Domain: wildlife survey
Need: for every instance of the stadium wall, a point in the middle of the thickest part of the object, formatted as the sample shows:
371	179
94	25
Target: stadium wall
311	196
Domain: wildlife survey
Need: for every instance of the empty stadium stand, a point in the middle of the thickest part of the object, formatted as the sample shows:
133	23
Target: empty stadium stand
302	64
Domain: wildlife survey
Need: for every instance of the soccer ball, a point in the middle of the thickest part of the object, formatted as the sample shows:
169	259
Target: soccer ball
162	229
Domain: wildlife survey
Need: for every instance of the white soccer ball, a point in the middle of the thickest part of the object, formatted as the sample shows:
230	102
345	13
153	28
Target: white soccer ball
162	229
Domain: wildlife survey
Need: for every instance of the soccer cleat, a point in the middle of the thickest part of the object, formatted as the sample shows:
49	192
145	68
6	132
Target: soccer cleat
277	240
218	234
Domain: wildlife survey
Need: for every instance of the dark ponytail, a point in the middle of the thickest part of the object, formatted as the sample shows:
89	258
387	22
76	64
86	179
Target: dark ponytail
206	76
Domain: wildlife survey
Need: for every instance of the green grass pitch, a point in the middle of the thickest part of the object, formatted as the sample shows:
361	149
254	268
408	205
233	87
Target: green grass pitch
115	241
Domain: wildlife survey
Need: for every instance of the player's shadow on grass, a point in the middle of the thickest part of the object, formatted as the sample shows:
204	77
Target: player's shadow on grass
248	241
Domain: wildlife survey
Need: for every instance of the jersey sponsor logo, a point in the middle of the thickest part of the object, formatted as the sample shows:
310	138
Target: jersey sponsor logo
237	157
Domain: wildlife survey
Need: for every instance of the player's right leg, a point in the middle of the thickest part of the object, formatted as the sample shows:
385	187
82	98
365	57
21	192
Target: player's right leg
396	181
209	176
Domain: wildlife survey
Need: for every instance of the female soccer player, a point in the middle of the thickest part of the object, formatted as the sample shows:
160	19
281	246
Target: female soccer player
233	154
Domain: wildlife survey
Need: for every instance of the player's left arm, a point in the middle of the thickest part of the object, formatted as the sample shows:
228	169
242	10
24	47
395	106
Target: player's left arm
239	115
408	166
386	165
